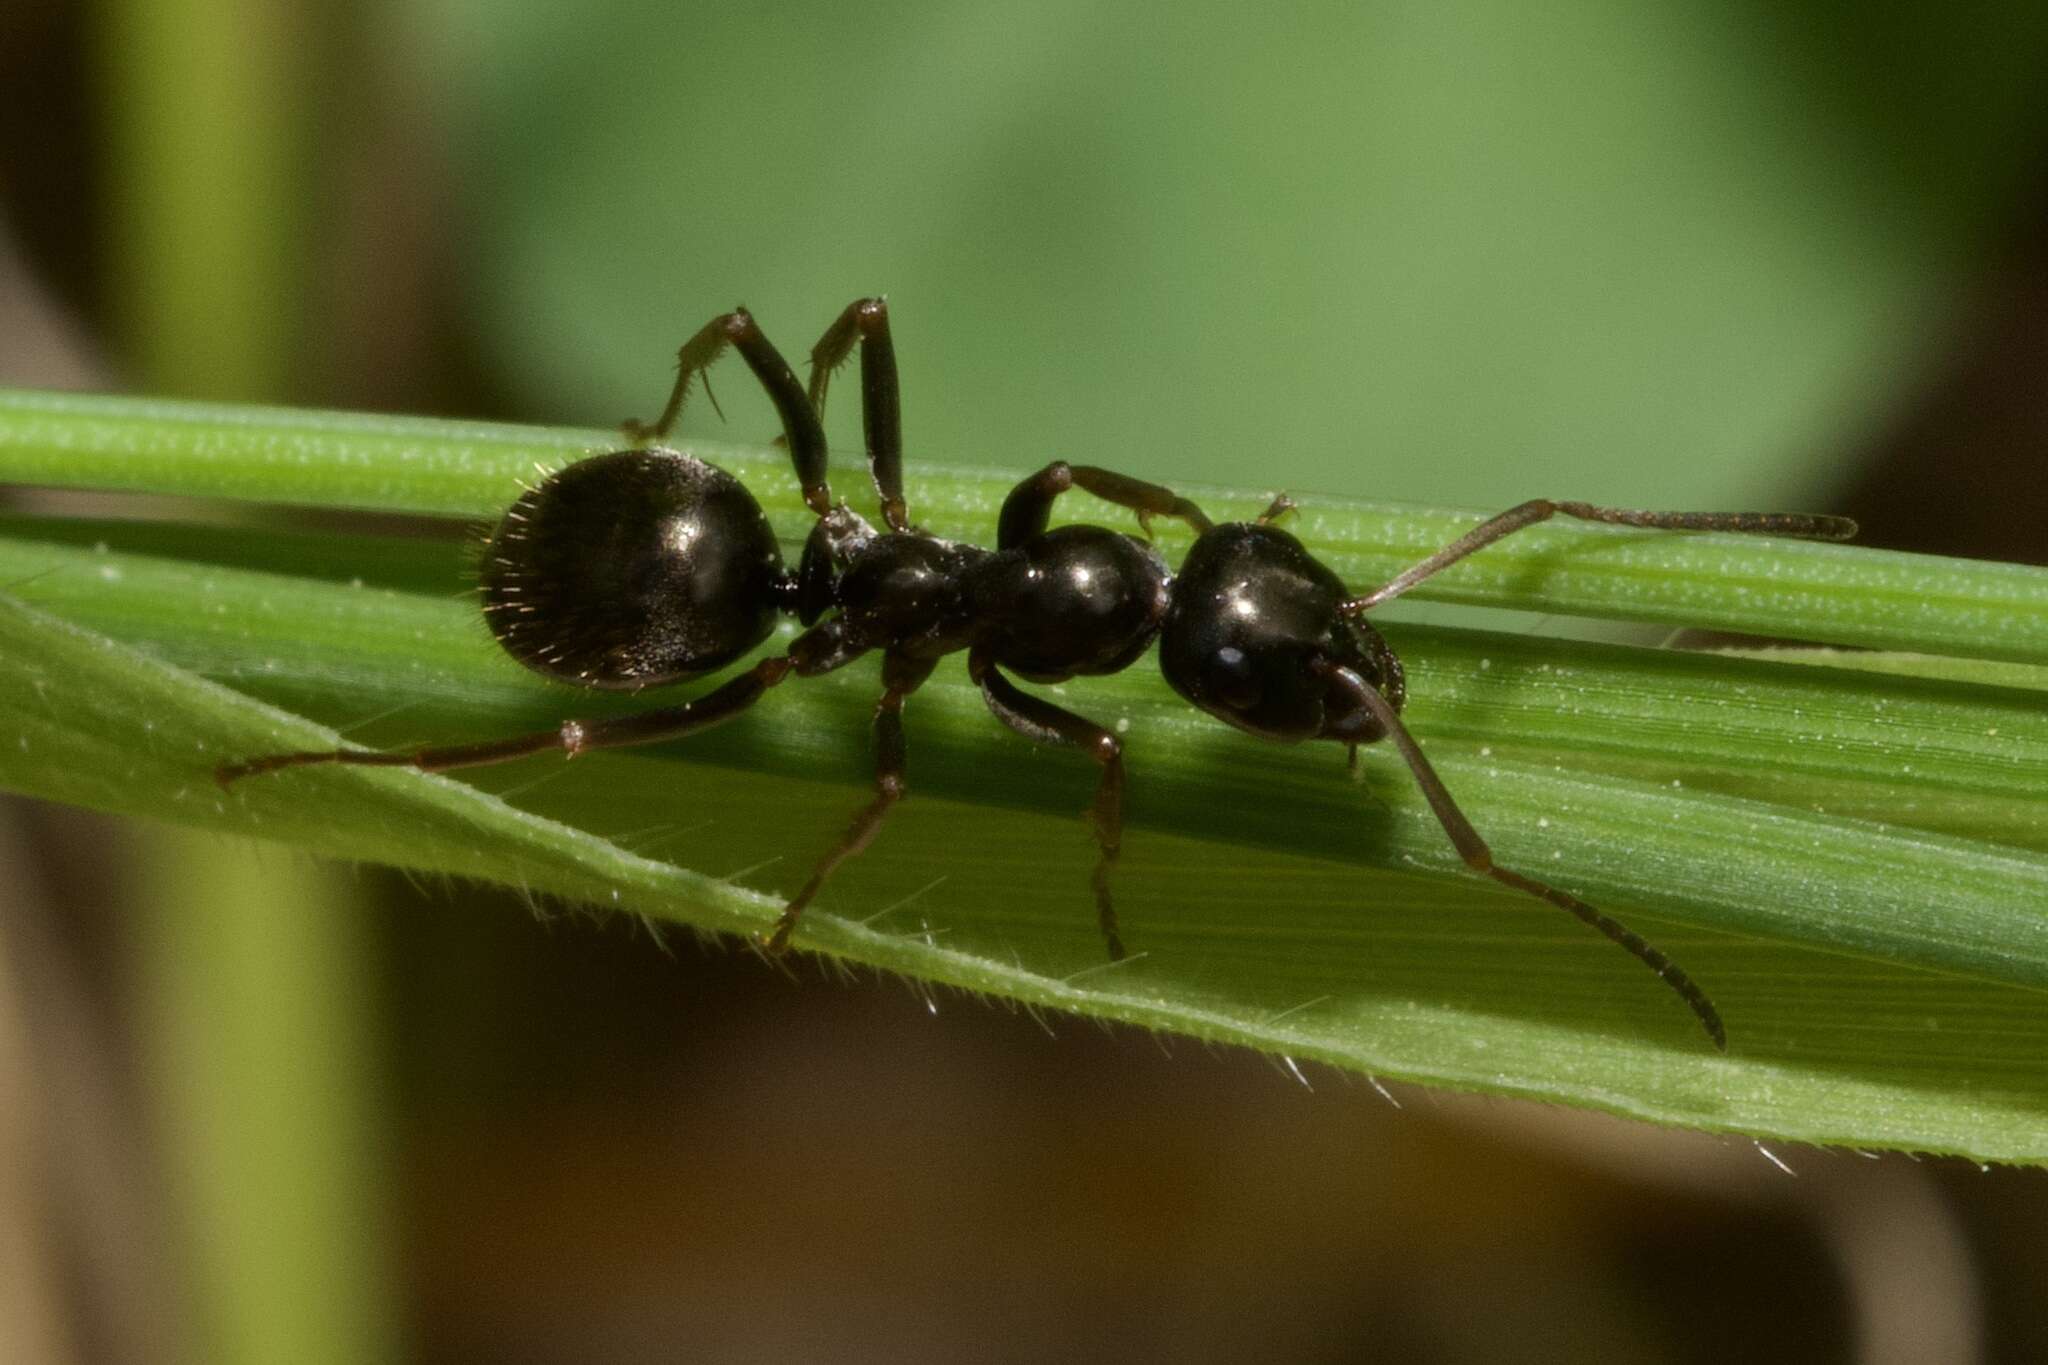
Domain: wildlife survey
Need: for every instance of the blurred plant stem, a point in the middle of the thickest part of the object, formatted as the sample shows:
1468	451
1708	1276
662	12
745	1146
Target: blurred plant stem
249	971
256	984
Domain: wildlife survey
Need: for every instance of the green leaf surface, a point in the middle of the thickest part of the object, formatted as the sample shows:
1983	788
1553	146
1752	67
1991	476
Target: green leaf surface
1462	251
363	462
1854	863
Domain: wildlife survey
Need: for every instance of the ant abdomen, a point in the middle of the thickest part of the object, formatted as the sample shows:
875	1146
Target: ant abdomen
632	569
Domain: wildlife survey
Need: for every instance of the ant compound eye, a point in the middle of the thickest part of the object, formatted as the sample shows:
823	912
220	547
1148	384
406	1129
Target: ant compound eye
1230	680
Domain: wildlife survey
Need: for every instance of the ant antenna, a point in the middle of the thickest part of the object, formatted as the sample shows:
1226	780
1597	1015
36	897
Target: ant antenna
1479	857
1806	525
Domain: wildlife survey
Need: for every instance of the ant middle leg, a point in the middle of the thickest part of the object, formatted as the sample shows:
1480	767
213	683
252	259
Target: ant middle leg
1028	508
901	675
866	322
572	737
800	424
1811	526
1040	720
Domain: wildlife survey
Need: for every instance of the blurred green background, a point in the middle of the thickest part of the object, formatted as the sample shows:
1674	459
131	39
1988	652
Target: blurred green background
1685	255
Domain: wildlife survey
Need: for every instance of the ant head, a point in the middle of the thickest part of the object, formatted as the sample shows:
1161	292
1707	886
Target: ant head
1254	633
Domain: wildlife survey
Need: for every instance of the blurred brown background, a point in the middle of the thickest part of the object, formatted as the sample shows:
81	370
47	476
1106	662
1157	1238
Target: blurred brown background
1711	254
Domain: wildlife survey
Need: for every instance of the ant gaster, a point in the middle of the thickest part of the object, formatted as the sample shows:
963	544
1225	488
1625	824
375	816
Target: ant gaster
647	566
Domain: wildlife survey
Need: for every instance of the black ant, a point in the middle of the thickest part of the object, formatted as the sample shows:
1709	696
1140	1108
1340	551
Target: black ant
646	566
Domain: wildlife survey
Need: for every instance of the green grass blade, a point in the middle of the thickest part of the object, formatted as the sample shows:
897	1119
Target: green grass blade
1854	864
1836	594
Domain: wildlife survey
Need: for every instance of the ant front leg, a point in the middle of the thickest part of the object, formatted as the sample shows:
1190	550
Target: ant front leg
1801	524
572	737
800	424
866	322
901	675
1048	724
1028	509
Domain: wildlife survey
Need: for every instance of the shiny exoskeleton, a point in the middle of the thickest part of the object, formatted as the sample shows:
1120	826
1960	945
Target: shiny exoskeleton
1255	622
647	566
632	570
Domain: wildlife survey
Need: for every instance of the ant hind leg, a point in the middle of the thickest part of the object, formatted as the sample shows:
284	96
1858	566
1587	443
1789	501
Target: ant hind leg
865	322
572	737
800	425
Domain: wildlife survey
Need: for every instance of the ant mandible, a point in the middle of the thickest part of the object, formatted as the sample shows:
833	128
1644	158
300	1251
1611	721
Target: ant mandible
647	566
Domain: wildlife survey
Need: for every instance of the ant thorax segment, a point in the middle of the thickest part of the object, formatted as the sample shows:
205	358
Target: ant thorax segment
904	592
844	533
839	537
1073	601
